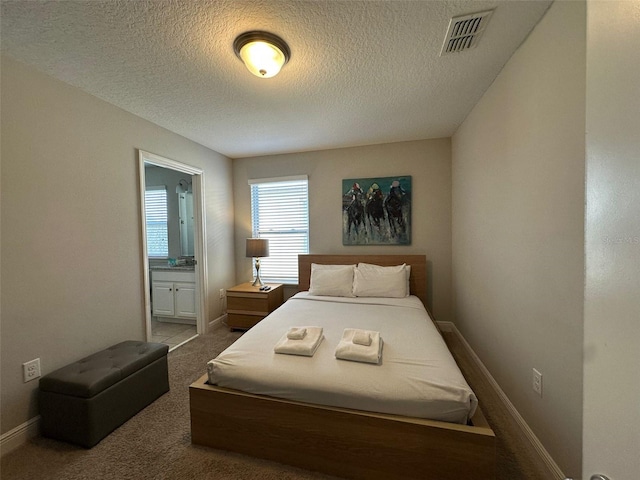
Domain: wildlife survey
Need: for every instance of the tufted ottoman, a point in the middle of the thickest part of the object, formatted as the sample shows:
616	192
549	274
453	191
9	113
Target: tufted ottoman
85	401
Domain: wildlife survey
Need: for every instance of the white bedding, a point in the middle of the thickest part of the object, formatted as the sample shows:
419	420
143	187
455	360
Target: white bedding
417	377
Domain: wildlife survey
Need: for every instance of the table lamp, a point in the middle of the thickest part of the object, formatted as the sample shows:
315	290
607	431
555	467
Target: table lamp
256	248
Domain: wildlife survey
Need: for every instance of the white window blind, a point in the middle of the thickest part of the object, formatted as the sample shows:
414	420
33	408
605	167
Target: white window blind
155	207
280	213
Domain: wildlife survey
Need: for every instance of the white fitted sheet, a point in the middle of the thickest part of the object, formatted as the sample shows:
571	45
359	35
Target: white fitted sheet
417	377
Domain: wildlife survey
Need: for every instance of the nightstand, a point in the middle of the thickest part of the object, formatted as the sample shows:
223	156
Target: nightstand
247	305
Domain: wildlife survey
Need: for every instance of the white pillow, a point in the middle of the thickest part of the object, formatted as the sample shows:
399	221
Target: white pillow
331	280
373	282
381	270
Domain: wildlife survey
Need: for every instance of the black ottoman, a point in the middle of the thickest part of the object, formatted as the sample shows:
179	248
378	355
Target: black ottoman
85	401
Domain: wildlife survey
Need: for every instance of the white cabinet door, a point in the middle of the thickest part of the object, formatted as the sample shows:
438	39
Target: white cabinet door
185	300
162	299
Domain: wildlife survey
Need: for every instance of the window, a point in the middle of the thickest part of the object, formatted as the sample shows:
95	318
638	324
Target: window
155	207
280	213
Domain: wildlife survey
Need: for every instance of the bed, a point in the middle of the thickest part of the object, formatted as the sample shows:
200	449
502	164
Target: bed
356	429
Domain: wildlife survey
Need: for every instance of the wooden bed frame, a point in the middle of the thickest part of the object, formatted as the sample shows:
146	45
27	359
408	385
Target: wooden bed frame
343	442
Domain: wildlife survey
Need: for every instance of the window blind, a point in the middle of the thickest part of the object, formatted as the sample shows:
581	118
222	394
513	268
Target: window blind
280	213
155	207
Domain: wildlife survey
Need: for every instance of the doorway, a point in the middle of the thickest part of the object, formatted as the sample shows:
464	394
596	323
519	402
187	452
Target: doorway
174	249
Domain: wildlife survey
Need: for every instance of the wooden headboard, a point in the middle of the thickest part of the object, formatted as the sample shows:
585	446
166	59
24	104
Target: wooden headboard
417	281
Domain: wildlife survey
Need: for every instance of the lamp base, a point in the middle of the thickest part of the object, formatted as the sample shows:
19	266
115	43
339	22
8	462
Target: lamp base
258	281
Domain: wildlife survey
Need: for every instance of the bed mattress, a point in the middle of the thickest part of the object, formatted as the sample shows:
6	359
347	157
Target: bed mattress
417	377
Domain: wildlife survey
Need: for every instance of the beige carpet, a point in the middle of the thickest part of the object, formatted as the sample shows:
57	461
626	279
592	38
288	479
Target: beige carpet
156	443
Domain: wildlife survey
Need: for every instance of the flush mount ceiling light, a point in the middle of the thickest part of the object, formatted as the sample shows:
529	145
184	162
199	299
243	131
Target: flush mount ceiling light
263	53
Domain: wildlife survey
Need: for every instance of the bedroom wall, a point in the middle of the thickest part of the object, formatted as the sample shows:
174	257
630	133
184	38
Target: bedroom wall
518	220
71	267
612	305
427	161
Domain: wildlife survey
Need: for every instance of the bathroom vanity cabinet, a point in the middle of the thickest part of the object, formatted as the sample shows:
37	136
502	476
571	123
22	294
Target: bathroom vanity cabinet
173	294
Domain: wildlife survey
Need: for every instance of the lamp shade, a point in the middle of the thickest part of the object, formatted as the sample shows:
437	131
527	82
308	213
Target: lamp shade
263	53
257	247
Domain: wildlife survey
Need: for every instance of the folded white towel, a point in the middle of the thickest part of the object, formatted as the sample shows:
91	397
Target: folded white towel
348	350
362	337
296	333
306	346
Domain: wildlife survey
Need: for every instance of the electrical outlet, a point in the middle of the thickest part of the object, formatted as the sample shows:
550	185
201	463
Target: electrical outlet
537	382
222	293
31	370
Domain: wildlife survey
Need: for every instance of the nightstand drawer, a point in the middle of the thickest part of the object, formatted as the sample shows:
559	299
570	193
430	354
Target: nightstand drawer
247	305
239	320
258	303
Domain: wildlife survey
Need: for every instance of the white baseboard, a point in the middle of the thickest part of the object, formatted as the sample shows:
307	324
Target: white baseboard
216	321
18	436
554	471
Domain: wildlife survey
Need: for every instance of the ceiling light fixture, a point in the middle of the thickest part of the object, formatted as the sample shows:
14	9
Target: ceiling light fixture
263	53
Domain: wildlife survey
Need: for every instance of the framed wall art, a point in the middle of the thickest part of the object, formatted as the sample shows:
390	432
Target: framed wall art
376	211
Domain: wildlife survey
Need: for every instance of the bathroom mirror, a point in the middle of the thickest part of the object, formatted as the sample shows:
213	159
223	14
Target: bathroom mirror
178	216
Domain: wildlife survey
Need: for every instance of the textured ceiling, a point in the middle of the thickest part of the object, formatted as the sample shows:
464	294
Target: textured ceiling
361	72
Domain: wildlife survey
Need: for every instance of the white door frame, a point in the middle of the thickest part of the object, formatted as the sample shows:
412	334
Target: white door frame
199	237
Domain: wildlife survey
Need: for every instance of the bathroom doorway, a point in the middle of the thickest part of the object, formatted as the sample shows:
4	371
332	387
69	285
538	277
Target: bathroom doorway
174	259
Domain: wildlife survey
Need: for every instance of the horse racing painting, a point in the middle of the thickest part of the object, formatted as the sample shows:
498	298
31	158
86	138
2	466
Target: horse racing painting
376	211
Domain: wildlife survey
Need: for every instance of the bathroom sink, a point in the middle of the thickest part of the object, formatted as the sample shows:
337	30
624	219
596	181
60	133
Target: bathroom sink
187	268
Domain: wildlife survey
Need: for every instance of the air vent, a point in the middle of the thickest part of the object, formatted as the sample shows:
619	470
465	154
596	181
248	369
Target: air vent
464	32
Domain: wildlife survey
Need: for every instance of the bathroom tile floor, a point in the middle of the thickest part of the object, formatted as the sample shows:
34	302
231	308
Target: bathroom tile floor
172	334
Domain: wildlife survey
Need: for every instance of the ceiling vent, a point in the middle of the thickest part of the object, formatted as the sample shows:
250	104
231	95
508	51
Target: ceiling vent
464	32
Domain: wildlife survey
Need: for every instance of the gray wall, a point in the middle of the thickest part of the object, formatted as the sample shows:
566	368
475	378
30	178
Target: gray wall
71	242
518	220
427	161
